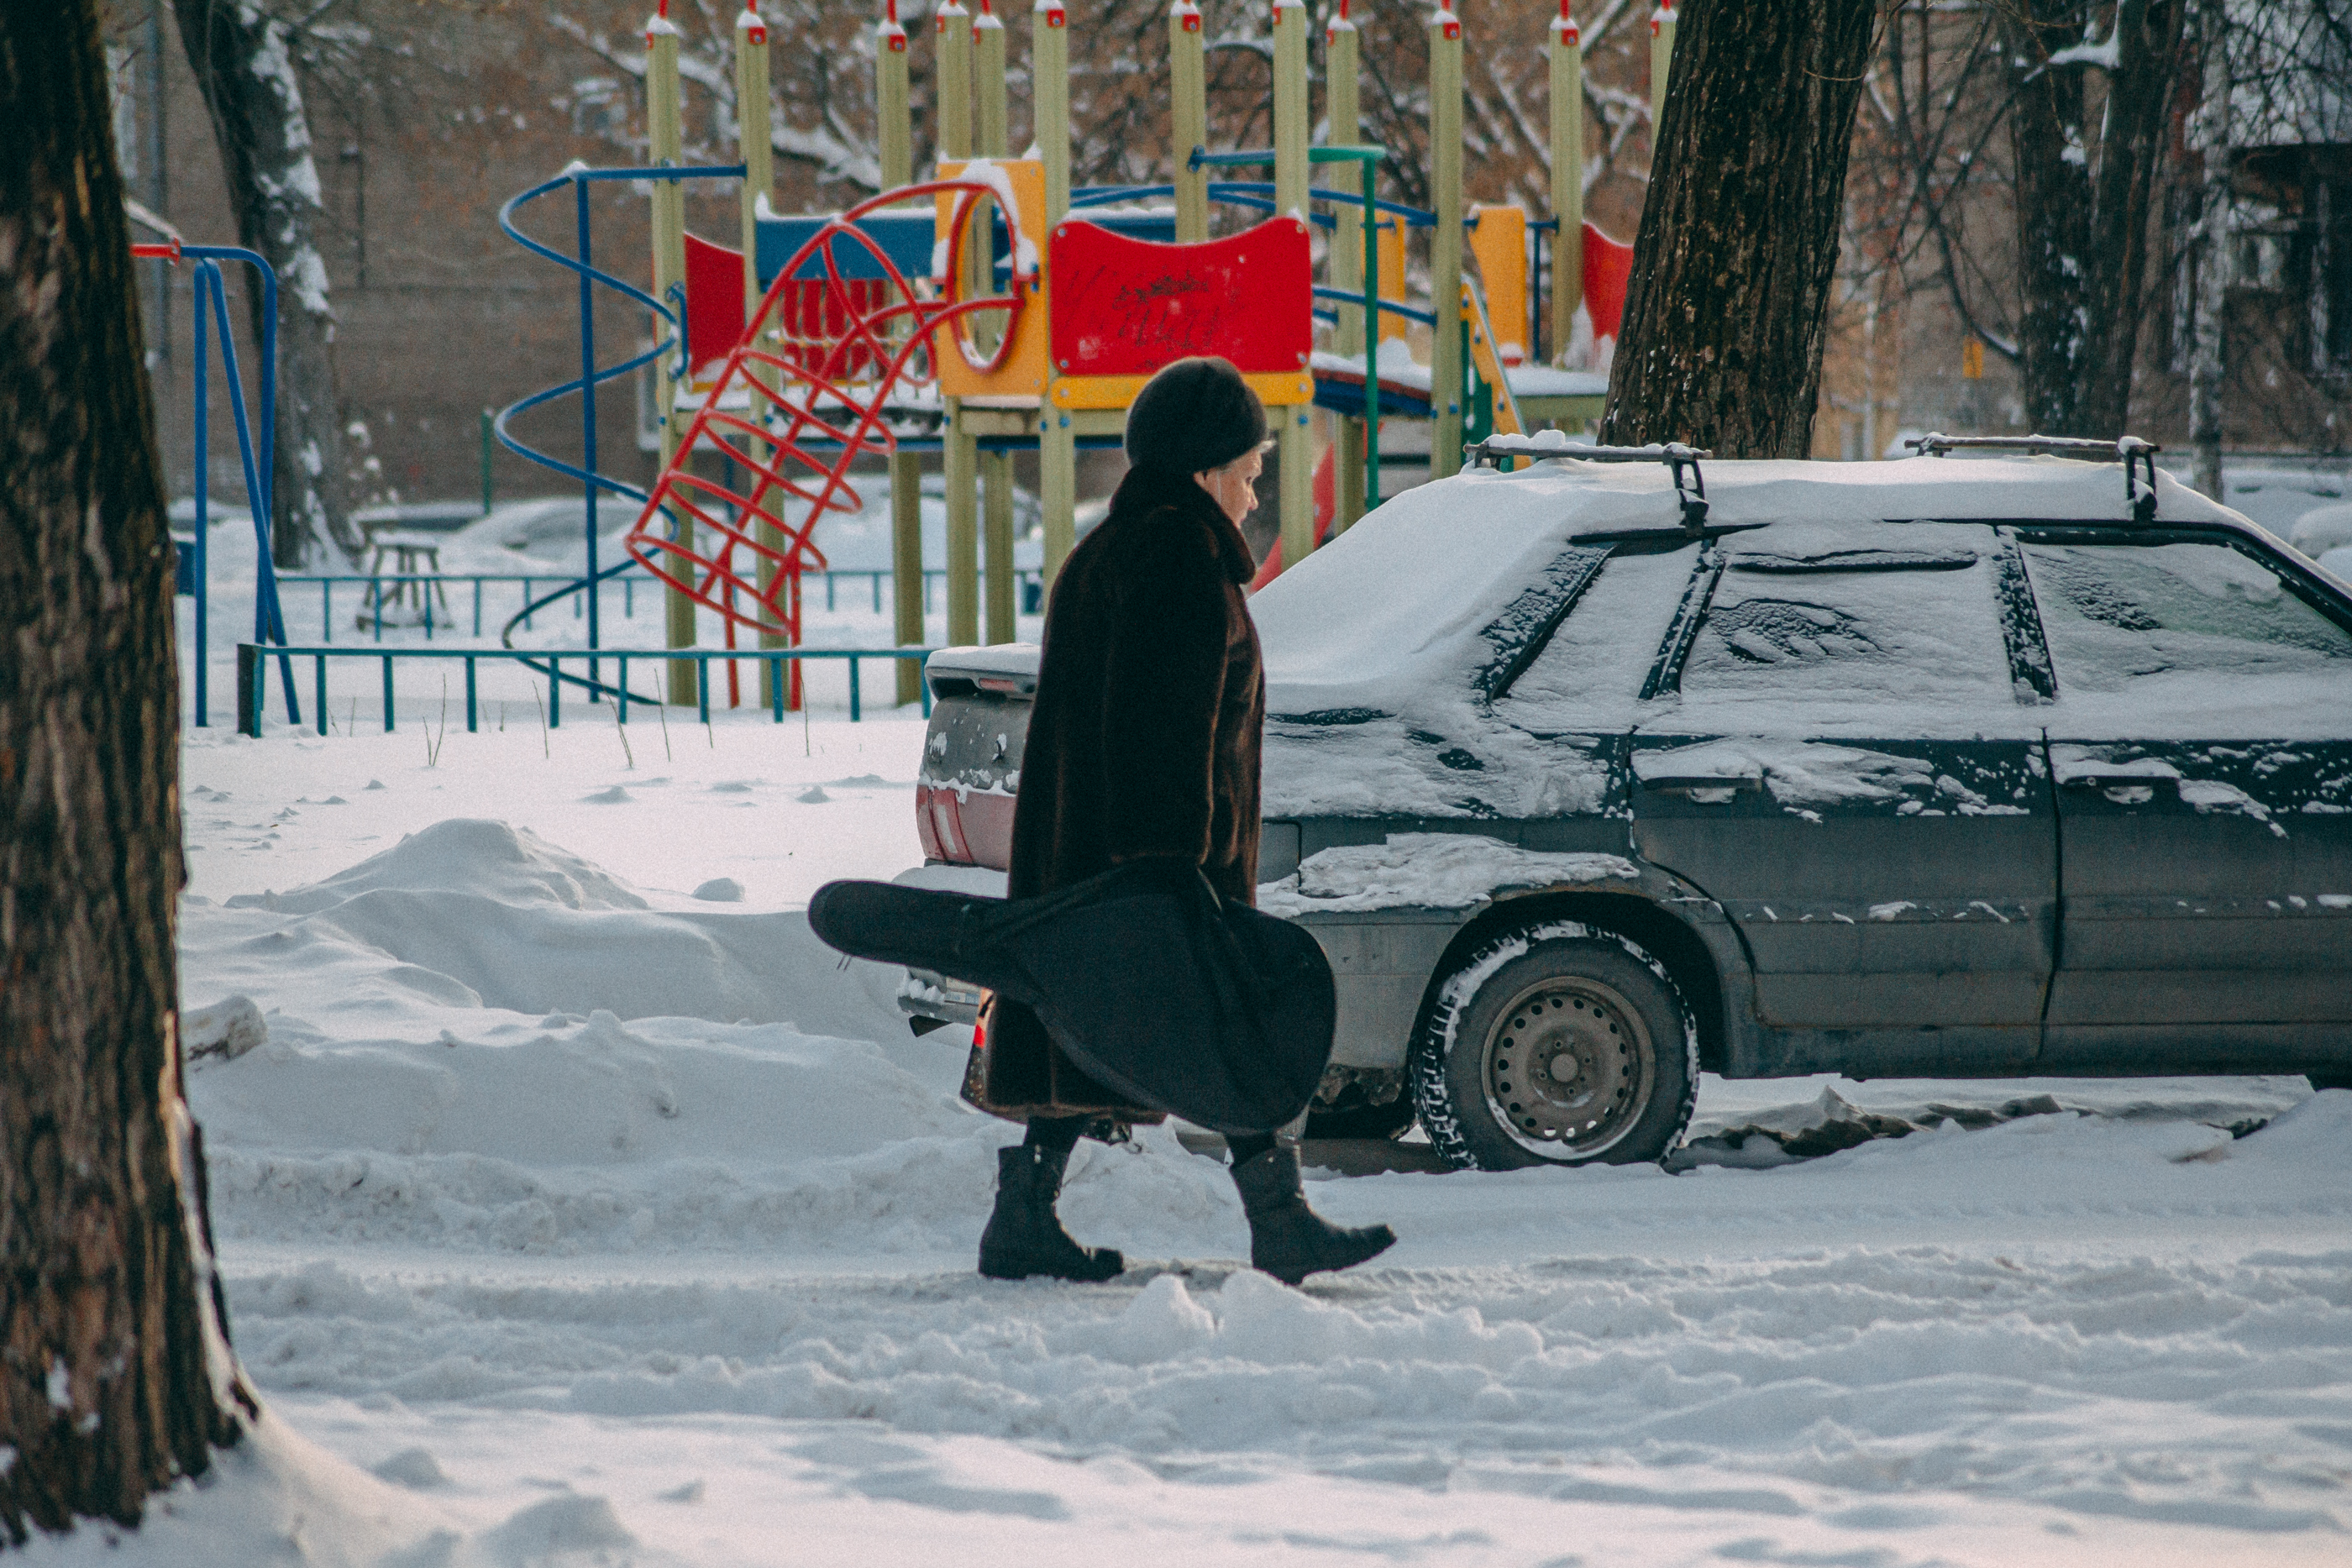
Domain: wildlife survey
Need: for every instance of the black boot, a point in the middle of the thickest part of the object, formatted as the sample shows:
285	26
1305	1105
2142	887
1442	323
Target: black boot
1025	1236
1286	1239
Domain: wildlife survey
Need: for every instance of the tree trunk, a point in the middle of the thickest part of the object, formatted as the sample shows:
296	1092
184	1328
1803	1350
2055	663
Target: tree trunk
2083	200
2211	256
244	63
115	1373
1727	310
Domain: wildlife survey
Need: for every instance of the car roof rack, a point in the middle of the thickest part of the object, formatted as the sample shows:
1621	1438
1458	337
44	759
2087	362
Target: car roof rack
2129	450
1673	454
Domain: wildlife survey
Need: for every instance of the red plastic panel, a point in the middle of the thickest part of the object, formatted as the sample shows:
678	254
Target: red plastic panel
1607	267
812	317
1127	307
714	300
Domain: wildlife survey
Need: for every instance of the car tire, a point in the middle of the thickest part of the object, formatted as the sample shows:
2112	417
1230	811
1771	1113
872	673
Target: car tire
1609	1074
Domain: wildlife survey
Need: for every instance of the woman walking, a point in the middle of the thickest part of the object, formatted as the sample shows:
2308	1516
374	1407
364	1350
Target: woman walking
1144	742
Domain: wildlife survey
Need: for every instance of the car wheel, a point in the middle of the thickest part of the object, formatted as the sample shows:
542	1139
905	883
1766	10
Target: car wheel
1557	1043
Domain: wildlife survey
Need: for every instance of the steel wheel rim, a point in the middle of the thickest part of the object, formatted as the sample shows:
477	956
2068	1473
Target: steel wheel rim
1568	1068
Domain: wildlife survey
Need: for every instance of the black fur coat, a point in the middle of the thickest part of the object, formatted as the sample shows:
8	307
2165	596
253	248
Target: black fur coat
1144	741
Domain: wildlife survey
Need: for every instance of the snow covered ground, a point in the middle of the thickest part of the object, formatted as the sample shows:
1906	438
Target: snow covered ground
572	1218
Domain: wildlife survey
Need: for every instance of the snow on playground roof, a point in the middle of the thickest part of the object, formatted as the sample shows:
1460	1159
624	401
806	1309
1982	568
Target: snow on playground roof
1399	600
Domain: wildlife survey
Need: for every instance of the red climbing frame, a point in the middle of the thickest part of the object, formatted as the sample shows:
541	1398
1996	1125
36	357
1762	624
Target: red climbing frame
813	398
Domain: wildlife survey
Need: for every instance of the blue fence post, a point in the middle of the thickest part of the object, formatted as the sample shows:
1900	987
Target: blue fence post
588	404
623	698
702	688
554	691
776	686
387	687
853	662
326	610
320	660
249	712
469	695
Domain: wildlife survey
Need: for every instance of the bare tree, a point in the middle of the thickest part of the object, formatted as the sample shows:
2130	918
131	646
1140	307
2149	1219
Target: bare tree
115	1372
2086	172
1725	314
244	61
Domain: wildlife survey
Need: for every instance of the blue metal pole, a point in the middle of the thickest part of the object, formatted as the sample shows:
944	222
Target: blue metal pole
268	619
204	509
588	406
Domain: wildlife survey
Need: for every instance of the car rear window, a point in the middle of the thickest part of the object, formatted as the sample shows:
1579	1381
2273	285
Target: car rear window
1869	621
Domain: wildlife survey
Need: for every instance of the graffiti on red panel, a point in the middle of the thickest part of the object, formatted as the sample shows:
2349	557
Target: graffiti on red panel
1126	307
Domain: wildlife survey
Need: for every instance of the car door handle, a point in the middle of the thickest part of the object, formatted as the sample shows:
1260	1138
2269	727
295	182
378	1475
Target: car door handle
2159	783
1681	786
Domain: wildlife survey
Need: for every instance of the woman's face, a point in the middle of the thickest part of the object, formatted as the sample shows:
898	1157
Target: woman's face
1235	484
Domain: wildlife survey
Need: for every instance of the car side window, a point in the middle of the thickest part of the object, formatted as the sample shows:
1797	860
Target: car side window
2190	621
1590	671
1899	616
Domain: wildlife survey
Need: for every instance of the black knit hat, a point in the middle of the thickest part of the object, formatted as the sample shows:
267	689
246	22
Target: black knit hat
1195	415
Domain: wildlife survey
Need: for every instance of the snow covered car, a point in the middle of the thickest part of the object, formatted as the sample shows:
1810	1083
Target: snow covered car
1946	767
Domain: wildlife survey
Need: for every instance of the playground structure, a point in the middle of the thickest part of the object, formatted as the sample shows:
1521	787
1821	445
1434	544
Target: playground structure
930	317
255	445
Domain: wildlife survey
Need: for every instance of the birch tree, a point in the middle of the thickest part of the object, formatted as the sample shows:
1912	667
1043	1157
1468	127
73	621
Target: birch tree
243	60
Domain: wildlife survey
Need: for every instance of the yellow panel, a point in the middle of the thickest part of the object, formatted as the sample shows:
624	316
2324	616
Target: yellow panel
1275	390
1499	241
1391	239
1023	372
1489	365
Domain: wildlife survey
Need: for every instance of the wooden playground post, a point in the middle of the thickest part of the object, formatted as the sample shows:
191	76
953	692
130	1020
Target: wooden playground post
896	122
754	131
959	454
1342	108
1662	63
1567	178
1445	241
665	138
1292	129
1057	446
1188	112
995	468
